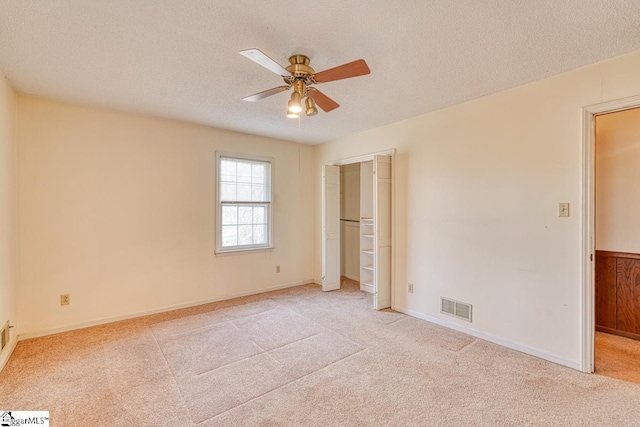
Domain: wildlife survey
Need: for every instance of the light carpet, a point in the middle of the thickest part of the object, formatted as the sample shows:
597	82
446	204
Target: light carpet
300	357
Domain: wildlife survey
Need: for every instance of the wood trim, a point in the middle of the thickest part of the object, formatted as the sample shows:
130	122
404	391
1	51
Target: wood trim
628	294
606	292
617	293
627	255
618	332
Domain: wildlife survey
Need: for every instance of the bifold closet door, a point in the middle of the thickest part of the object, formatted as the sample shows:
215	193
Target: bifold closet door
330	228
382	231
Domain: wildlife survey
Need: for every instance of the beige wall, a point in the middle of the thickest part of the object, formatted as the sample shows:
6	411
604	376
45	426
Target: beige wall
476	193
618	181
8	278
119	211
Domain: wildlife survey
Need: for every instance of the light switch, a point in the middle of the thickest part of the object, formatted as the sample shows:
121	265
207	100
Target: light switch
563	210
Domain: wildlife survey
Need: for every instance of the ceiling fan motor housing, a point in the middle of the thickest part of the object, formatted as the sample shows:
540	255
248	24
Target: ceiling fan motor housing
299	66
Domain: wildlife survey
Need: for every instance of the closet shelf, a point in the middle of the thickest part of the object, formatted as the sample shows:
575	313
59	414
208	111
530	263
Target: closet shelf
368	251
367	235
368	267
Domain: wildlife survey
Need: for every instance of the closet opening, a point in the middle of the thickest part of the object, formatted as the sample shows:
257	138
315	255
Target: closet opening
357	206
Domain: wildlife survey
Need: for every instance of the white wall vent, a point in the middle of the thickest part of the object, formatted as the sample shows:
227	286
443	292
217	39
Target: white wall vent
458	309
447	306
4	336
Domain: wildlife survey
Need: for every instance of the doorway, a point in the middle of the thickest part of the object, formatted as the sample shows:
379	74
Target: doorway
587	306
357	225
617	244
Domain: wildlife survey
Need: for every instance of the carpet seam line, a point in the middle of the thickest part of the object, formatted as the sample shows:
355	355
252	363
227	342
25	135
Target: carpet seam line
173	377
323	326
466	345
254	355
404	317
231	320
283	385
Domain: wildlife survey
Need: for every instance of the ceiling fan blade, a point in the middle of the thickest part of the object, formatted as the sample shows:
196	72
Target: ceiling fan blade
344	71
260	95
260	58
323	101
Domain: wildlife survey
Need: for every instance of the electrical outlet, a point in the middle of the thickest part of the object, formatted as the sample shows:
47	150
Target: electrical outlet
277	269
65	299
410	287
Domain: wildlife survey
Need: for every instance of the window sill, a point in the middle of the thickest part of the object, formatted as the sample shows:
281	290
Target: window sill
228	252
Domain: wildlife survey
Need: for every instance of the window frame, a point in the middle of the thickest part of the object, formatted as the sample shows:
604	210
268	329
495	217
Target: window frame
220	250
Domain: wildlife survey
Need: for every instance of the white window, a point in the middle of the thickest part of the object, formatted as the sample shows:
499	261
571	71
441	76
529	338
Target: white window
244	202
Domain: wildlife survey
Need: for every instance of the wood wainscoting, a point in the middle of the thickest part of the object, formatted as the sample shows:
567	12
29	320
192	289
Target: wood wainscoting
618	293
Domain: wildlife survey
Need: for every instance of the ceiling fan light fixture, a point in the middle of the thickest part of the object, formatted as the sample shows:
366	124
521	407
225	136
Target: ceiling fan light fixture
292	115
294	104
311	109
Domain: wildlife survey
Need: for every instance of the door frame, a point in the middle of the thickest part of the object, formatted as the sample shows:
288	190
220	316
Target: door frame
589	114
365	158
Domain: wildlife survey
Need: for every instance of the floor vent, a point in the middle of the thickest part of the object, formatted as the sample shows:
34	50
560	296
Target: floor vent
4	336
458	309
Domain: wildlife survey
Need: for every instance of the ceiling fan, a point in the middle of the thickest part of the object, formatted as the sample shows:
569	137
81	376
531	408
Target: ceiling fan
303	78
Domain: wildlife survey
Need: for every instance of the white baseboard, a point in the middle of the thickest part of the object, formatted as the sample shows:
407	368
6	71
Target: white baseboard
352	277
491	338
7	352
45	332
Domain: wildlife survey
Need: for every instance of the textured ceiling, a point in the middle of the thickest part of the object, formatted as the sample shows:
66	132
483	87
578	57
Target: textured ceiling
179	59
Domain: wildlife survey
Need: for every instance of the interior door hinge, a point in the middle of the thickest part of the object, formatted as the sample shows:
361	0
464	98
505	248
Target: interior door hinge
591	257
